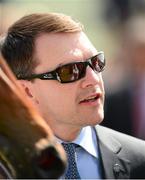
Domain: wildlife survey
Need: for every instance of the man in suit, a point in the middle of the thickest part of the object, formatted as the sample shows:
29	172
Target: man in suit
60	71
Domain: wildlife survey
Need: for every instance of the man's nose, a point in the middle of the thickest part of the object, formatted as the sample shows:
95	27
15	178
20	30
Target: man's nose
91	78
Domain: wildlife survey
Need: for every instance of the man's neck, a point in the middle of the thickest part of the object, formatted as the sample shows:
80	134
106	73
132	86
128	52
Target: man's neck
67	135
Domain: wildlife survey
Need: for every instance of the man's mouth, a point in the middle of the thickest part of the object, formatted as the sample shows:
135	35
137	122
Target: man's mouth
91	98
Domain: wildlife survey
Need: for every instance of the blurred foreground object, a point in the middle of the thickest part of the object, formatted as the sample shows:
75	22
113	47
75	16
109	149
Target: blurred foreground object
27	145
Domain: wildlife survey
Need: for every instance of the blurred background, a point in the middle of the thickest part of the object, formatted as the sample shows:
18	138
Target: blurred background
118	28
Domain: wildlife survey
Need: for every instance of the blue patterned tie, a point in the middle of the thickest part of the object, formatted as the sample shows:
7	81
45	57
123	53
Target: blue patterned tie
72	171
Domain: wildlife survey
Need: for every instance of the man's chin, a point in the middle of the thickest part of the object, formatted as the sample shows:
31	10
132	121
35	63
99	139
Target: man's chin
97	122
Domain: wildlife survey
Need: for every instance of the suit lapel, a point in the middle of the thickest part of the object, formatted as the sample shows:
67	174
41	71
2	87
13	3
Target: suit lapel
115	166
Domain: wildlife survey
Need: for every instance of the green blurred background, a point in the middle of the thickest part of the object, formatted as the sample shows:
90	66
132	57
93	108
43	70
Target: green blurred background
88	12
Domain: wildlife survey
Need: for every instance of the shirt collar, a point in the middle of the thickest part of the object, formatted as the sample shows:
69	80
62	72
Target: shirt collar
87	140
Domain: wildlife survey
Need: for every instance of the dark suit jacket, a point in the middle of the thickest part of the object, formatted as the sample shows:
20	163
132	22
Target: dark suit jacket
122	156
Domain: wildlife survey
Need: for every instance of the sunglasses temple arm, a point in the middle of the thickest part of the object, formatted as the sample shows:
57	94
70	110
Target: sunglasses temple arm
46	76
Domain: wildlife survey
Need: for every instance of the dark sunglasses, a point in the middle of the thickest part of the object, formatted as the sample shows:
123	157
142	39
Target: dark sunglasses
73	71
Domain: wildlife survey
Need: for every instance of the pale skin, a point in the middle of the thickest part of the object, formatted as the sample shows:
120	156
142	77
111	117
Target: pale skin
62	105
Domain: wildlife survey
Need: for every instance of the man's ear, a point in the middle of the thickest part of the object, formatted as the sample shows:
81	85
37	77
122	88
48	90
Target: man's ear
27	86
29	90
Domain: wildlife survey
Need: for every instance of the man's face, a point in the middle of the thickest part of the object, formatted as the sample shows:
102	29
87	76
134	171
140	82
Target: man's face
69	105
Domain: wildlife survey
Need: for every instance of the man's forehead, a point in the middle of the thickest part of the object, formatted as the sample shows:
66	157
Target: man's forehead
61	48
62	36
65	42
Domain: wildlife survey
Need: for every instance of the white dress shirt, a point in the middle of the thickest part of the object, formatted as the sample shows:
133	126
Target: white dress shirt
88	162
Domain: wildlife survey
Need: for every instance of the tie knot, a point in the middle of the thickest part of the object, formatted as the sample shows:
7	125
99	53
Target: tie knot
69	148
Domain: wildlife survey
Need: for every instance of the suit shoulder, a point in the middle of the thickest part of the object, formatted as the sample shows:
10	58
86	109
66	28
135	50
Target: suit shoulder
125	140
128	151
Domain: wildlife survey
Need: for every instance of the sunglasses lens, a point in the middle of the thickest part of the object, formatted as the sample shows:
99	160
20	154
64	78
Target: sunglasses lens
71	72
75	71
98	62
